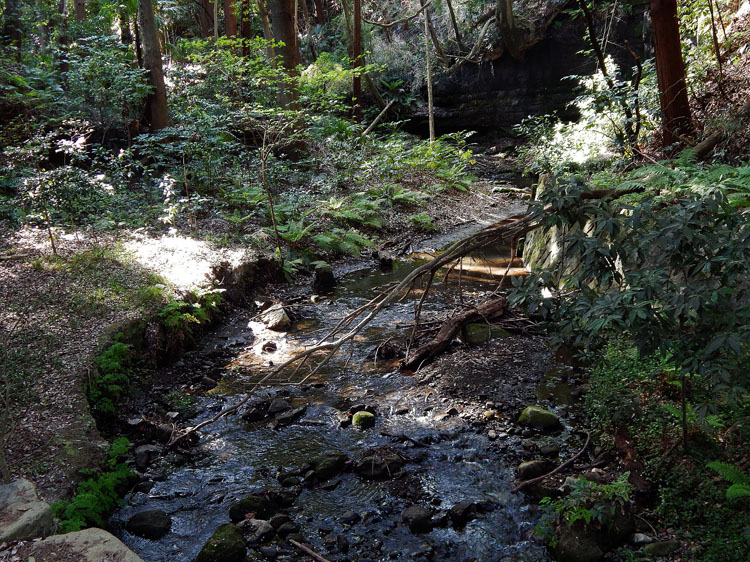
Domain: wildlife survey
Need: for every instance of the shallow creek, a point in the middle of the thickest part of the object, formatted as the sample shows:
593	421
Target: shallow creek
449	456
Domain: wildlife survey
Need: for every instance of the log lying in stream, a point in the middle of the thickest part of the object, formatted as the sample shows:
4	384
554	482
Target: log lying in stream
483	312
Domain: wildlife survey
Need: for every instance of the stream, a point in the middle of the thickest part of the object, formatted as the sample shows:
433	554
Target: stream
456	444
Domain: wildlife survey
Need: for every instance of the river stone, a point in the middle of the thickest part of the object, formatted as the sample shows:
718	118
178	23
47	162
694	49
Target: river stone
539	417
89	545
463	512
144	455
152	524
329	465
380	466
290	416
276	318
575	545
323	279
225	545
22	515
278	406
531	469
350	517
476	333
661	548
287	529
363	419
417	518
261	504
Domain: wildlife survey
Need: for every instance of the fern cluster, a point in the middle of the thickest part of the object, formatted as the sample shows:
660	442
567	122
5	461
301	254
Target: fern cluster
740	481
97	496
111	377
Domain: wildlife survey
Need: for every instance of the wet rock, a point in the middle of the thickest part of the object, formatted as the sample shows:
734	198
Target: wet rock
225	545
351	517
256	412
289	417
342	543
661	548
22	514
277	406
492	435
323	279
401	411
551	450
257	530
345	420
276	318
208	383
153	524
145	455
575	545
360	407
363	419
531	469
287	529
540	490
379	466
417	518
329	465
640	538
291	481
278	520
463	512
261	504
269	346
269	552
535	416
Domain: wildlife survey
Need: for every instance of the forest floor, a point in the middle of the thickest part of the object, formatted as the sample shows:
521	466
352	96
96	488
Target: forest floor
61	308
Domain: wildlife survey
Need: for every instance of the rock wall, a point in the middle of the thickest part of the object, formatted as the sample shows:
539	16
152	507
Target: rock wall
494	96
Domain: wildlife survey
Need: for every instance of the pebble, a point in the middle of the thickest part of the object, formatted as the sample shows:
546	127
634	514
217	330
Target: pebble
492	435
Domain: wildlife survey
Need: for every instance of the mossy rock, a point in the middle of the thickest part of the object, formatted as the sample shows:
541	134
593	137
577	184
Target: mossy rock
363	419
225	545
539	417
477	333
260	504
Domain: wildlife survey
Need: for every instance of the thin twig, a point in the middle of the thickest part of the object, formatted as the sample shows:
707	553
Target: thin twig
559	468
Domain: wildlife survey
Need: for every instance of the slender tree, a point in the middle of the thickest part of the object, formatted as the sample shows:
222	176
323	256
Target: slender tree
205	17
230	19
283	25
79	7
670	72
155	113
357	61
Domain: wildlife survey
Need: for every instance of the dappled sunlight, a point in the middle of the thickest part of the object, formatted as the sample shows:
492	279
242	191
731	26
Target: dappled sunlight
184	262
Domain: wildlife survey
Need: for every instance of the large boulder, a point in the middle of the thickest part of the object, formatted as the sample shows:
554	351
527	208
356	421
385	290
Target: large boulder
540	418
89	545
152	524
225	545
22	514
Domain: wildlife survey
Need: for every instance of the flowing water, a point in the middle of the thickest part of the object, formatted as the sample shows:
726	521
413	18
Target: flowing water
450	459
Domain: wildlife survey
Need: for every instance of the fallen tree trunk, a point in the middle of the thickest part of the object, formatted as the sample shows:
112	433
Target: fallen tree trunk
485	311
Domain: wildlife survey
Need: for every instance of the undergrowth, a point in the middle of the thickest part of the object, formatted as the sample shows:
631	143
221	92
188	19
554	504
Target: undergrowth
98	495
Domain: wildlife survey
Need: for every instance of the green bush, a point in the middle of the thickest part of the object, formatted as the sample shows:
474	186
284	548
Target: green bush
111	377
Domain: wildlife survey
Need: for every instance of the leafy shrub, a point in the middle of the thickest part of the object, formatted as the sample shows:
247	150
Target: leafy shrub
740	481
97	496
111	377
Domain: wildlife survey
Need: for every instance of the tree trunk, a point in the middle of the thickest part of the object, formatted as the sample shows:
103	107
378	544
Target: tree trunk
357	61
126	37
245	26
156	103
320	17
230	19
216	20
205	18
80	9
670	72
267	30
506	23
283	25
430	102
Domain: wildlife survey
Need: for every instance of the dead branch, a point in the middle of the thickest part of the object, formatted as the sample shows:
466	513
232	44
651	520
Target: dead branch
450	328
559	468
309	551
405	19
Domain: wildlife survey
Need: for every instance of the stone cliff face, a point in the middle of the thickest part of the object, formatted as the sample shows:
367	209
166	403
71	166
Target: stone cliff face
494	96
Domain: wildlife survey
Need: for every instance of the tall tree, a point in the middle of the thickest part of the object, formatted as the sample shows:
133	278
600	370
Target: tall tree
155	113
230	18
670	72
357	60
284	26
206	18
80	10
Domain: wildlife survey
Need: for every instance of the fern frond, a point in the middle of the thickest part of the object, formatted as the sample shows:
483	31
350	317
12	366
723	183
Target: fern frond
738	491
731	473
